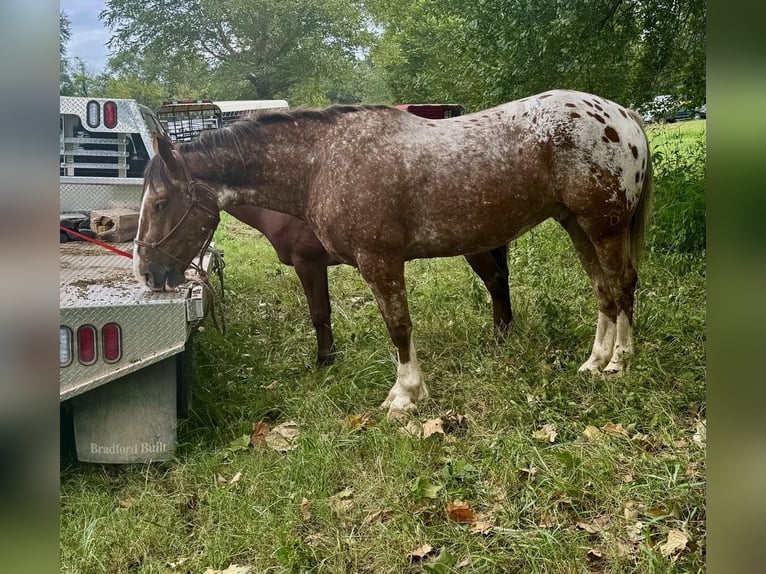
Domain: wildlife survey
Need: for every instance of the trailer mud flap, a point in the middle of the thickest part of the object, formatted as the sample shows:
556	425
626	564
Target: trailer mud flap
130	420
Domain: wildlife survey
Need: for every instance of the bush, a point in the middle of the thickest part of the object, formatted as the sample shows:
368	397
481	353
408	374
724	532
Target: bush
678	217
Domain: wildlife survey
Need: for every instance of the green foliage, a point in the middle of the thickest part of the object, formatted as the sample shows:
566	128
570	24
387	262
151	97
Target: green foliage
485	52
679	161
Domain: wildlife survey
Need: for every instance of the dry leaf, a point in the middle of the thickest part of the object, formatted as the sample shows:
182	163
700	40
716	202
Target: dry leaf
675	544
595	554
220	479
341	502
434	426
632	509
589	528
421	552
361	422
627	477
460	511
615	430
463	563
592	434
124	505
625	548
481	527
283	438
236	478
258	436
546	434
635	532
305	512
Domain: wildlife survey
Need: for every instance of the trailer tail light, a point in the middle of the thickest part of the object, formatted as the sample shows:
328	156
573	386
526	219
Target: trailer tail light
111	338
93	115
110	114
86	344
65	346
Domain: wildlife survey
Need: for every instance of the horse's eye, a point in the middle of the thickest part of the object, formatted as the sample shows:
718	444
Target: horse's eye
161	204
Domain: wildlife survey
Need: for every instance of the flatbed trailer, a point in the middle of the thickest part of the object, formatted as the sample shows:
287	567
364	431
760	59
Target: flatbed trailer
125	351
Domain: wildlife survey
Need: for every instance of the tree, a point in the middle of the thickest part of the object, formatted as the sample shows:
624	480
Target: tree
65	82
483	52
244	48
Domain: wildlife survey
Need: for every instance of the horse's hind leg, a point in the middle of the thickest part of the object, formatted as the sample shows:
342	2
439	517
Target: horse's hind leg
614	278
492	269
386	279
603	344
313	277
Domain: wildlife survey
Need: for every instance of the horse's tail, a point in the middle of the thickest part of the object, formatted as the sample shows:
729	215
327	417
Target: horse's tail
640	219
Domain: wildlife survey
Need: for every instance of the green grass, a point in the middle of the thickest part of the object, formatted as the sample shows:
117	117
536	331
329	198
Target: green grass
634	489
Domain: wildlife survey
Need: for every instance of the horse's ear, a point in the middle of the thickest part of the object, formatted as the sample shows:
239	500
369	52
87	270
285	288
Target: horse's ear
164	147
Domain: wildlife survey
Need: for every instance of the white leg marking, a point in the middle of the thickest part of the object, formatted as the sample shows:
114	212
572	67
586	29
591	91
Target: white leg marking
602	346
408	389
623	345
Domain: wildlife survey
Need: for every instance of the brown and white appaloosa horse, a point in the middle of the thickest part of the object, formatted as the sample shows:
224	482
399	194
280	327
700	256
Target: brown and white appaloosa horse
379	186
297	246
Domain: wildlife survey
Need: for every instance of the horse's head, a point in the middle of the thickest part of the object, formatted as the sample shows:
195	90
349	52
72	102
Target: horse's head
177	220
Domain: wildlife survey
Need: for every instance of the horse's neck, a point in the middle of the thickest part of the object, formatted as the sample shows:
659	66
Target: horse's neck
279	170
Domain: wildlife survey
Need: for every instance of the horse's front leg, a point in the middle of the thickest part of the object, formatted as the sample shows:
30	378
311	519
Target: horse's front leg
386	279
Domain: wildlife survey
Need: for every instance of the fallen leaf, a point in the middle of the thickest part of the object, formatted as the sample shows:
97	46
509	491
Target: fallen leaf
236	478
589	528
361	422
460	511
594	554
592	433
546	434
463	563
258	436
631	510
627	477
305	512
615	430
680	443
220	479
283	438
675	544
481	527
626	548
341	502
124	505
433	426
421	552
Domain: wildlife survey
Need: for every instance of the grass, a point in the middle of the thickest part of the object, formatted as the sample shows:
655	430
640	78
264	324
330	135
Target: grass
581	503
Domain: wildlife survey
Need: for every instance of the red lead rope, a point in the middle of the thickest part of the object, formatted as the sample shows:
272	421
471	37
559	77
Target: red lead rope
97	242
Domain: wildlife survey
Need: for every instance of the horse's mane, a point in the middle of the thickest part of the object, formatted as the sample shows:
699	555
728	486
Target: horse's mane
250	125
249	128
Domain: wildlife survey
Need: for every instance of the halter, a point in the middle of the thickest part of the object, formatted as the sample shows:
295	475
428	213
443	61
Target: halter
191	188
218	264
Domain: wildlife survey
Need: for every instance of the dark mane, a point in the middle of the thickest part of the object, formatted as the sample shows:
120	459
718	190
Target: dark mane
248	128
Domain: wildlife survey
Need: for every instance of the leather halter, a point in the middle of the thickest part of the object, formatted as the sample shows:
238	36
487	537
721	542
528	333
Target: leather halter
191	191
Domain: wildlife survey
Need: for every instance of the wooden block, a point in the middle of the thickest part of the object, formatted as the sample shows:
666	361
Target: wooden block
115	225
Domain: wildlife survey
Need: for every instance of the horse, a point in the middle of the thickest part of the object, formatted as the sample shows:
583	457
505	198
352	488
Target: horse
298	247
379	187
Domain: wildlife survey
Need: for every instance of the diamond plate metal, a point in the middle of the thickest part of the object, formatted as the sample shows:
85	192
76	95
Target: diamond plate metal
97	287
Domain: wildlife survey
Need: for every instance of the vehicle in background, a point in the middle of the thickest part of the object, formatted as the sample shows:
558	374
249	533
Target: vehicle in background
433	111
184	120
667	109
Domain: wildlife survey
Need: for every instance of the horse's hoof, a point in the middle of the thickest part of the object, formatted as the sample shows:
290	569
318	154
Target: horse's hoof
325	361
589	368
614	370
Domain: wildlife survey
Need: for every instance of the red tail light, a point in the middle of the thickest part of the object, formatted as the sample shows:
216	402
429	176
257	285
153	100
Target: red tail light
86	344
112	342
110	114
